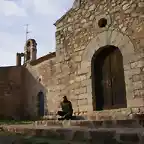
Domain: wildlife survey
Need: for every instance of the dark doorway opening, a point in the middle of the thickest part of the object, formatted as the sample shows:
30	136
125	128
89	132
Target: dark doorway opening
108	84
40	106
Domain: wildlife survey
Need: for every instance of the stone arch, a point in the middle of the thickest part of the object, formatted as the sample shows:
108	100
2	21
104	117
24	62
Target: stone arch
116	39
109	37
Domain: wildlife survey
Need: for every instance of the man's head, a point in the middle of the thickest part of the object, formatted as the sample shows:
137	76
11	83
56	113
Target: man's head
65	98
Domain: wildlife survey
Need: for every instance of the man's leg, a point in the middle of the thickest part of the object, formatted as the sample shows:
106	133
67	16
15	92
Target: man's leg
68	116
61	113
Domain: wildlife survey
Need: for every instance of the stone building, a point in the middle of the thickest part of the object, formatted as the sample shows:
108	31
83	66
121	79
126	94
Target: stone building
98	64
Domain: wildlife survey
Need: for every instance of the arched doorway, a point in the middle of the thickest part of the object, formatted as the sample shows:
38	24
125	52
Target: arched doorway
108	84
40	107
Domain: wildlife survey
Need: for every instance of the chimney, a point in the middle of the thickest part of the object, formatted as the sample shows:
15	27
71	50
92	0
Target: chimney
18	59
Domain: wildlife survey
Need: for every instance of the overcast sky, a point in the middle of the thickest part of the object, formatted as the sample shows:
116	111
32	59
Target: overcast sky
40	14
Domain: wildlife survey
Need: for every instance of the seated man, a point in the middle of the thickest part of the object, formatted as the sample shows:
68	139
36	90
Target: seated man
67	109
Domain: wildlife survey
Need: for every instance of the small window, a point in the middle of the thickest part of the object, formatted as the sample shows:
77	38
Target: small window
102	22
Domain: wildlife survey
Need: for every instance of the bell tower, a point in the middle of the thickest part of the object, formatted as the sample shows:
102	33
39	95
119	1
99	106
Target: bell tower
30	51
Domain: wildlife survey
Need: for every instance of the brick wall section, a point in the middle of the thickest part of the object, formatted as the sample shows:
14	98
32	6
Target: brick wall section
11	92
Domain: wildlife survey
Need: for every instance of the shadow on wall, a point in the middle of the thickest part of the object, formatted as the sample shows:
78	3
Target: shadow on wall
11	92
35	100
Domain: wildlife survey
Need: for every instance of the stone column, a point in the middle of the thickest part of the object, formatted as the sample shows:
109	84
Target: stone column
33	54
18	59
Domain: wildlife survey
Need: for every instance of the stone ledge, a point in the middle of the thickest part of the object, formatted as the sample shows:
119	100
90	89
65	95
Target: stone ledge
92	124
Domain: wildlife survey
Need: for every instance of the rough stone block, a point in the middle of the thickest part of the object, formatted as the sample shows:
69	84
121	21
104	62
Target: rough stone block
81	91
39	132
108	123
66	134
137	85
77	59
80	78
98	123
139	93
136	78
83	71
83	96
83	101
142	139
135	71
132	138
52	134
137	64
127	123
127	67
137	102
89	89
101	136
86	82
81	136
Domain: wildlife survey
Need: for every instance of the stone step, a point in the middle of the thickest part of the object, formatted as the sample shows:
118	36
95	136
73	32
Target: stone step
93	124
72	135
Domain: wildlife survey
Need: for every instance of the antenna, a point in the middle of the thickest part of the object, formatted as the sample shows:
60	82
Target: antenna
27	31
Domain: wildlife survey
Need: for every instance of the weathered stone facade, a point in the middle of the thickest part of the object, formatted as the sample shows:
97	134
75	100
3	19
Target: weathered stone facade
68	70
78	37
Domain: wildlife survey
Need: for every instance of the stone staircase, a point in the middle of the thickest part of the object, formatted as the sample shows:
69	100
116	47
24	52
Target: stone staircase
80	131
83	130
91	124
125	133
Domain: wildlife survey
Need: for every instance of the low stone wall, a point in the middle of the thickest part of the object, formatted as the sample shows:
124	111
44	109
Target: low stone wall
99	136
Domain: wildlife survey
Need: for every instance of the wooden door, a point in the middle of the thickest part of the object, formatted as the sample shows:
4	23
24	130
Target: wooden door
106	82
117	79
108	85
113	84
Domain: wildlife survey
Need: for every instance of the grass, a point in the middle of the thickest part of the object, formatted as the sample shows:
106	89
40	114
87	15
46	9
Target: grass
12	122
31	139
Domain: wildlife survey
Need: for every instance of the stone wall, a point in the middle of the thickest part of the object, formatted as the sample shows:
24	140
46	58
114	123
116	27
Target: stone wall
78	37
11	92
